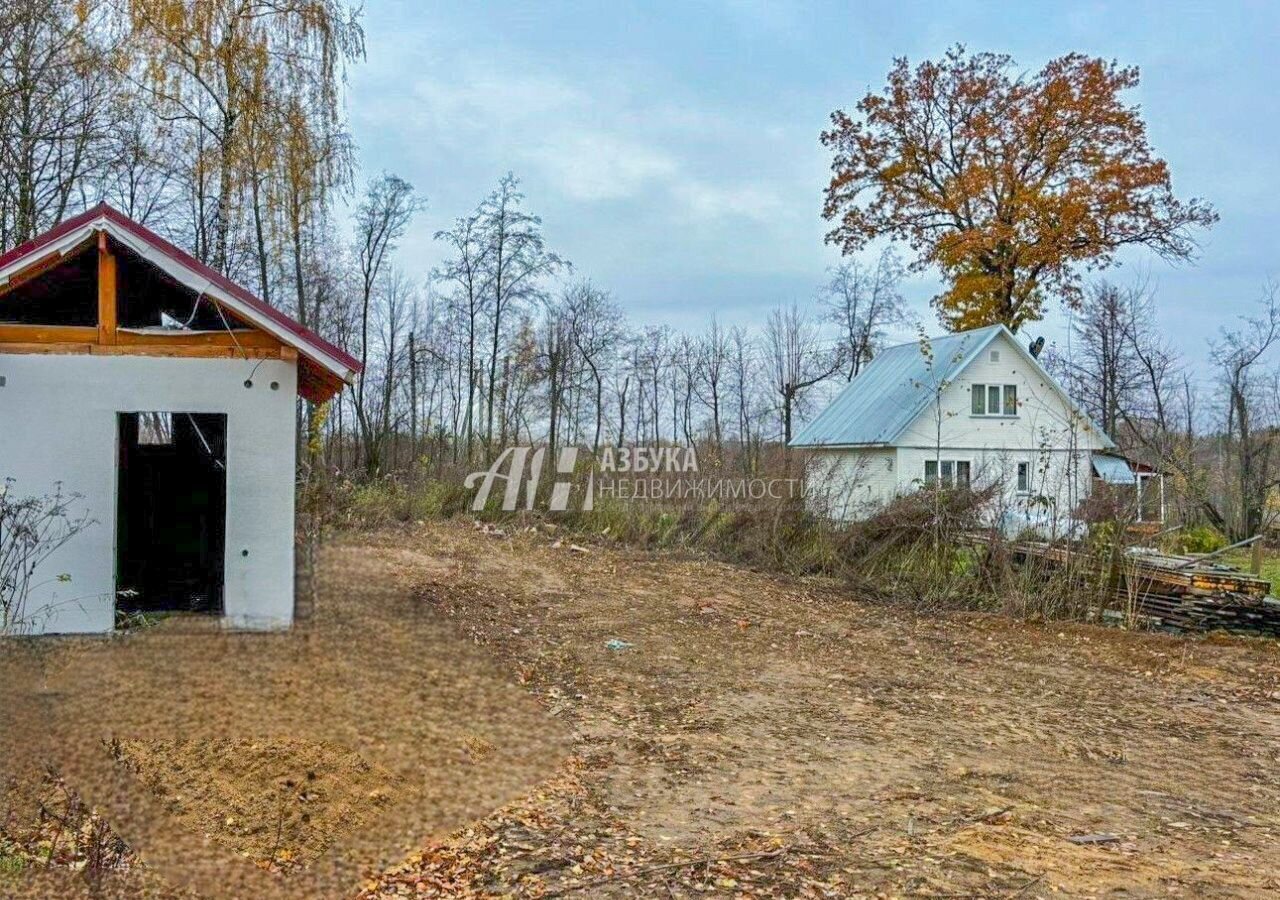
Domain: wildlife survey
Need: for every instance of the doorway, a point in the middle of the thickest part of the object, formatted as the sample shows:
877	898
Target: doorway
171	512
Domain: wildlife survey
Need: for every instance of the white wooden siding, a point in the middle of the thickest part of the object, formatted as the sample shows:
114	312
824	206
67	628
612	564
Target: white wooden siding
1046	433
848	484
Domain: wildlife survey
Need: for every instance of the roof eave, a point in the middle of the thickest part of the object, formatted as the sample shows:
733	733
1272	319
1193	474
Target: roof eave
846	445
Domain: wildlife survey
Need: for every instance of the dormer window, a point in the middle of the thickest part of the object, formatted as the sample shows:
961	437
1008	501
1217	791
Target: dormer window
994	400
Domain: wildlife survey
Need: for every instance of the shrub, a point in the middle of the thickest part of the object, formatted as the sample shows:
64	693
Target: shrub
920	549
32	529
1197	539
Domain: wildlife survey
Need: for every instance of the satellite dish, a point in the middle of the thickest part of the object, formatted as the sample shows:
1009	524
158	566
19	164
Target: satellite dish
1036	347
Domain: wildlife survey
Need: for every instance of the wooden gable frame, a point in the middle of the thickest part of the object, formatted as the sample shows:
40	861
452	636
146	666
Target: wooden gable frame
108	337
254	329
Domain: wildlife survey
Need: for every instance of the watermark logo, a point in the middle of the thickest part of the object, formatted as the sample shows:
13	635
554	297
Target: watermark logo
510	467
643	474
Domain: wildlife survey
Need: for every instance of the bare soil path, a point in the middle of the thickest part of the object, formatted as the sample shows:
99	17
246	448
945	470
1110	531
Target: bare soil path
738	733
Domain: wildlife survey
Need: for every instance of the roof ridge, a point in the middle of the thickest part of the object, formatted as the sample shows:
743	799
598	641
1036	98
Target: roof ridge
888	395
316	353
942	337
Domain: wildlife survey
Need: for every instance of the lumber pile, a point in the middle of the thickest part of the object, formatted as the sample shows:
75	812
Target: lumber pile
1179	592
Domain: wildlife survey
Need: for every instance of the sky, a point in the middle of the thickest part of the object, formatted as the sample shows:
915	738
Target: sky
672	148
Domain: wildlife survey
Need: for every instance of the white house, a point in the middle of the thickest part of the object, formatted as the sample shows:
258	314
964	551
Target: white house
161	395
967	408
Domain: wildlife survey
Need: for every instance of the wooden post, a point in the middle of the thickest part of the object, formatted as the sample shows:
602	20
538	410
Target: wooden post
1256	562
107	321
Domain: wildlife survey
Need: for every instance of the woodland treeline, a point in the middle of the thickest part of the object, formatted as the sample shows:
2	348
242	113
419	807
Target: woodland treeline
221	125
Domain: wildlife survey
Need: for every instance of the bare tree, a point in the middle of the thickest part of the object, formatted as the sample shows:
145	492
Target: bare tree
1103	371
863	302
714	355
743	378
56	114
1251	416
686	362
467	273
596	327
381	220
140	180
652	362
797	359
517	259
555	365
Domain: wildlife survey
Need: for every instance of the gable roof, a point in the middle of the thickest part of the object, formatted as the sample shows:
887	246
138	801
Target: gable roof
319	360
886	397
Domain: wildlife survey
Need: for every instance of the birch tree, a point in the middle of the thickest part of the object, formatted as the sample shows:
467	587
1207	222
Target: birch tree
863	302
517	261
381	221
56	113
225	72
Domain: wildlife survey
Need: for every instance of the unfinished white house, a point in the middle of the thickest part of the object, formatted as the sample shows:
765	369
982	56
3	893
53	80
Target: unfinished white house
161	397
970	408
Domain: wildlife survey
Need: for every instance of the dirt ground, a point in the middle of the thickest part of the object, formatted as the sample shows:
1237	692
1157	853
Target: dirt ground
223	759
746	733
519	714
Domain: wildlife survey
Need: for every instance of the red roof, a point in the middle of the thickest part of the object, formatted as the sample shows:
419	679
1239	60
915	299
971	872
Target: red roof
303	339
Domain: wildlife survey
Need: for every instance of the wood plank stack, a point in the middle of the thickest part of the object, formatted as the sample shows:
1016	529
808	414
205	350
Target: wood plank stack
1180	592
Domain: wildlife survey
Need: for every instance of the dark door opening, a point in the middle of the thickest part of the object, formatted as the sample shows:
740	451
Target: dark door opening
171	512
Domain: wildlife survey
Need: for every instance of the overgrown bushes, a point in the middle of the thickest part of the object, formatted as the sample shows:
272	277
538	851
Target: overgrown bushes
1197	539
931	551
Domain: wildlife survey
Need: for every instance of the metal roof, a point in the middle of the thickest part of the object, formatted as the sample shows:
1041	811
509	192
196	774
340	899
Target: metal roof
1113	469
898	385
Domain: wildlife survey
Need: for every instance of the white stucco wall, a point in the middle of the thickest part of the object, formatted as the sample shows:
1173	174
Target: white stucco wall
1046	433
58	423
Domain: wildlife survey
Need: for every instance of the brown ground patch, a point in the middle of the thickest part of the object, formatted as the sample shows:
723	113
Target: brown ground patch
282	802
843	748
407	730
753	735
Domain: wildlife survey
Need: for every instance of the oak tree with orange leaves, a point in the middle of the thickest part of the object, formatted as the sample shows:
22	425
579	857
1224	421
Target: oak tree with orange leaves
1011	184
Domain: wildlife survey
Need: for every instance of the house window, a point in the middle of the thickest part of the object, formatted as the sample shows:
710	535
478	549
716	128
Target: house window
994	400
955	472
1024	478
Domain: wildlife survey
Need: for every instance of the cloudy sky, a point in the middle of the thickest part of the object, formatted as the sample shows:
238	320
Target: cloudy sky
672	148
